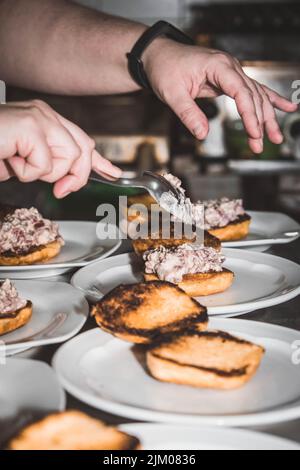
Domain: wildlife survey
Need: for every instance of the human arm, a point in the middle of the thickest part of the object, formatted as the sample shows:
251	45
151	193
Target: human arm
64	48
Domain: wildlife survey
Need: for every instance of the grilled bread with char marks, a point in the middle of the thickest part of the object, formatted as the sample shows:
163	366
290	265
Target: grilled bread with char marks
210	359
72	430
140	246
40	254
199	285
142	312
14	321
235	231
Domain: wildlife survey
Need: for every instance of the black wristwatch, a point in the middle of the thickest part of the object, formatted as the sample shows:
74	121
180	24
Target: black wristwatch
135	63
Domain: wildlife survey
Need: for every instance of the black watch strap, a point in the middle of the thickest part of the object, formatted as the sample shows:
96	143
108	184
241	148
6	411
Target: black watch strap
135	63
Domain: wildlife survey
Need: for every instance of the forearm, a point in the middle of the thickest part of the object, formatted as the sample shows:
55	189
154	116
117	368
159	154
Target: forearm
59	47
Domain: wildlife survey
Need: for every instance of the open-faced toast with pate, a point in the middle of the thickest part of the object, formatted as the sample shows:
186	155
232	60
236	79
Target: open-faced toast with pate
196	269
15	312
224	218
27	238
72	430
142	312
169	236
209	359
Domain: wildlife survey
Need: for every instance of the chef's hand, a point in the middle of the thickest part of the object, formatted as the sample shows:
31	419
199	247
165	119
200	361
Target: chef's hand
36	143
179	74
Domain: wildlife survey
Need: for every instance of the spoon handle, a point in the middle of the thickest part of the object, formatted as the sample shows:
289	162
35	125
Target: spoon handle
121	182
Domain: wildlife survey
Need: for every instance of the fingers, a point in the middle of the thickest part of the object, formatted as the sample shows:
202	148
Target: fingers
257	145
269	101
105	167
32	162
270	120
264	101
65	152
63	147
77	177
81	169
189	113
5	173
98	163
255	104
37	143
73	182
279	101
247	108
237	88
43	148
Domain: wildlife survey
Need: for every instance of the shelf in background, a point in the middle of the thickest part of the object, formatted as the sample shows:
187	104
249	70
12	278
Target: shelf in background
263	167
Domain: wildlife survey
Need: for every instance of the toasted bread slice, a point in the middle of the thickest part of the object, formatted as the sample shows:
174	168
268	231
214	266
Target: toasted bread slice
146	199
198	285
142	199
211	359
72	430
140	246
40	254
15	320
233	232
139	313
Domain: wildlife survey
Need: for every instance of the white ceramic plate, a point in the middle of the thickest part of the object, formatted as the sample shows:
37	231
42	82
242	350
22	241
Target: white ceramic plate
261	280
110	375
187	438
59	312
268	228
27	388
82	246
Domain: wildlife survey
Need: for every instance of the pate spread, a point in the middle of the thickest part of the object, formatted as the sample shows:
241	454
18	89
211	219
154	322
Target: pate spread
10	301
24	230
205	214
172	264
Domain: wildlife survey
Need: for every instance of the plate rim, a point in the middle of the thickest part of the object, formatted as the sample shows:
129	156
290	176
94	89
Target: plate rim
219	310
69	265
289	412
18	346
61	392
264	241
268	440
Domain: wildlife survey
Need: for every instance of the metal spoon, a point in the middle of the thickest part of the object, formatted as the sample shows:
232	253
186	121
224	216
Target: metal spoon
154	184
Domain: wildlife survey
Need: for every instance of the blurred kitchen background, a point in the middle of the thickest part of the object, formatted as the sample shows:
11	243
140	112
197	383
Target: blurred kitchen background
138	132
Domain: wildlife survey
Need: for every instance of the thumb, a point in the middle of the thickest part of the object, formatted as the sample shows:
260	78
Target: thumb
190	114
